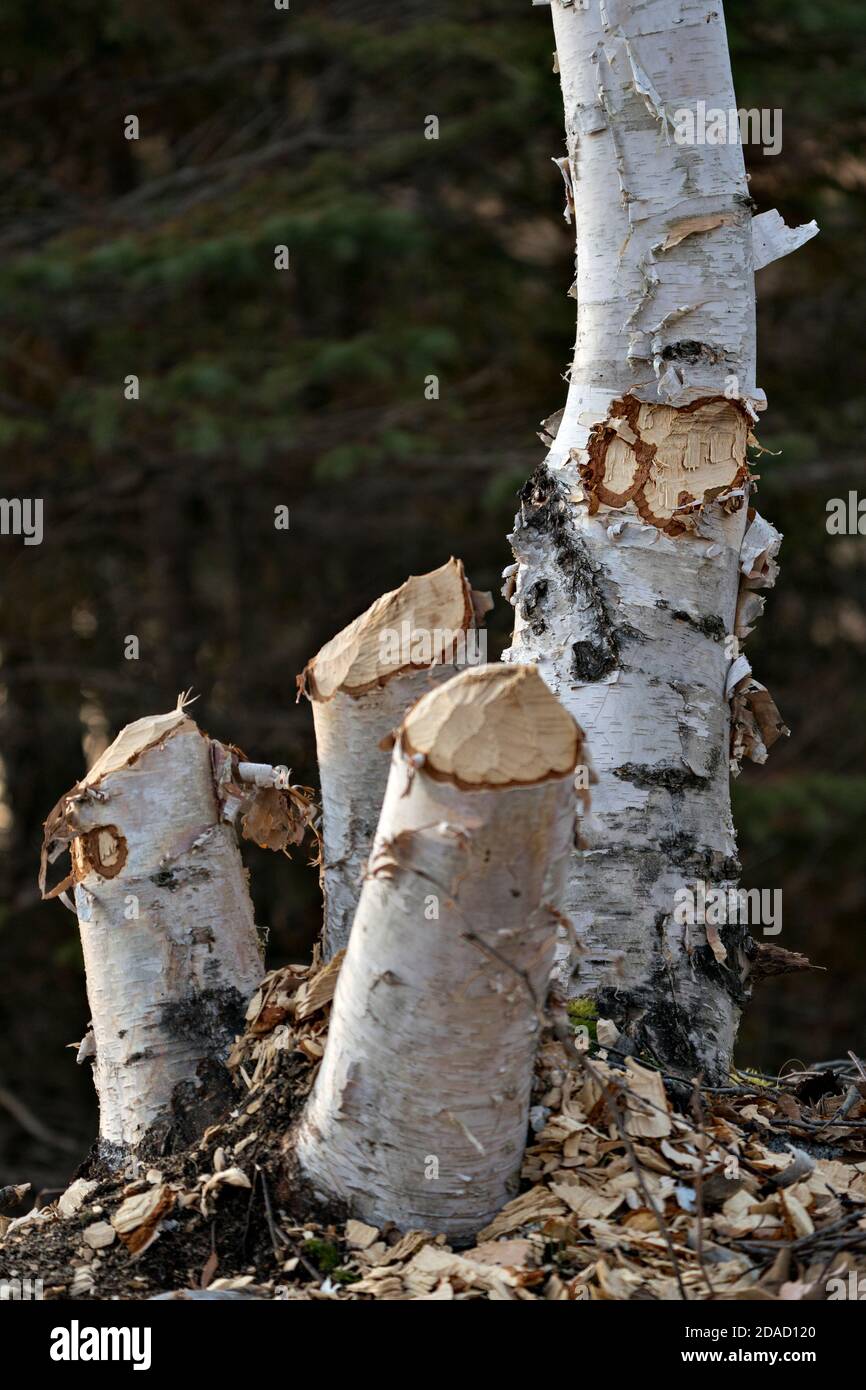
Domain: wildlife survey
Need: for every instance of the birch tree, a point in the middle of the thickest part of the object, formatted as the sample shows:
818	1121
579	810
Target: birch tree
419	1113
171	951
638	553
360	685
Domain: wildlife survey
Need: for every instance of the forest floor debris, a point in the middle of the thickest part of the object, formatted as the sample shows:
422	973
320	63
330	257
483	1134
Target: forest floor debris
636	1185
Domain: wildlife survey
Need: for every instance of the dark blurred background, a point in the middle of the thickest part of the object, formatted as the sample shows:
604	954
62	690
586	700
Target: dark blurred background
305	388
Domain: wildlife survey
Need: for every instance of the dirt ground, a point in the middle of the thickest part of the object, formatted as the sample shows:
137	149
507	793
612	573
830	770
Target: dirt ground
635	1186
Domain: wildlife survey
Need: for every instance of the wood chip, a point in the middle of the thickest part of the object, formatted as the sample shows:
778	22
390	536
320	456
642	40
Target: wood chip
538	1204
318	991
99	1234
359	1235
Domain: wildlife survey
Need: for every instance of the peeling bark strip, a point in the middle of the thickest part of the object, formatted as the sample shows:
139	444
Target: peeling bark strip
637	553
420	1110
361	683
167	929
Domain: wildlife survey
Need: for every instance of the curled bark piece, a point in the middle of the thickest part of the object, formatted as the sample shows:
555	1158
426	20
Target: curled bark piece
767	960
170	945
756	723
419	1113
361	683
773	238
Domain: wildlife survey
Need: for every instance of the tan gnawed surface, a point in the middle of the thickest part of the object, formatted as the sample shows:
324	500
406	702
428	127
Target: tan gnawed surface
102	850
493	726
433	605
132	741
696	451
666	460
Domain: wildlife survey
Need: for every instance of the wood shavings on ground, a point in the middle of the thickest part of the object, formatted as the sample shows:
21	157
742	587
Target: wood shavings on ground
636	1186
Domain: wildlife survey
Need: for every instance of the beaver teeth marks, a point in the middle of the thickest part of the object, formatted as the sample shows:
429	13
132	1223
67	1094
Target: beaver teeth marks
668	462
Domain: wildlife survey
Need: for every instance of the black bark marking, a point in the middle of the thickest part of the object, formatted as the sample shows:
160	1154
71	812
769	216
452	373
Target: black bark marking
668	776
546	510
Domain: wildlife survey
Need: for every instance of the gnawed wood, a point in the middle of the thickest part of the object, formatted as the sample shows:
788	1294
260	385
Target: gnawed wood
420	1109
170	945
360	684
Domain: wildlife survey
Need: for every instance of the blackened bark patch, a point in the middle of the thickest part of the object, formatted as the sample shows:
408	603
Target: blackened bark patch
711	626
699	861
199	1103
728	975
591	661
530	604
653	1022
545	509
652	1017
172	879
670	777
103	1160
210	1018
689	350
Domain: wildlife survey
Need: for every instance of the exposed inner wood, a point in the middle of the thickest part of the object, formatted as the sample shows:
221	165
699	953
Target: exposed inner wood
666	460
134	739
102	850
493	726
435	606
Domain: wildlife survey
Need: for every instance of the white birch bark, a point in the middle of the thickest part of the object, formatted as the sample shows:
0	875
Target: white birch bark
419	1112
170	945
630	538
360	684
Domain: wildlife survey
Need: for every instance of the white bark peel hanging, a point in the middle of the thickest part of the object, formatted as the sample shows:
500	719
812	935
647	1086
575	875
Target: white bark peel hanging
360	684
167	930
635	542
419	1112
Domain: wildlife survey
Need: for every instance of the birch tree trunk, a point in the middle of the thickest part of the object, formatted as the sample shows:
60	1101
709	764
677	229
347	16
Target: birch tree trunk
360	684
170	945
419	1112
637	553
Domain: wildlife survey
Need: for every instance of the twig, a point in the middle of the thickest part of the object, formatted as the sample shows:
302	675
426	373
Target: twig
684	1080
858	1064
246	1235
852	1096
803	1242
613	1103
274	1233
